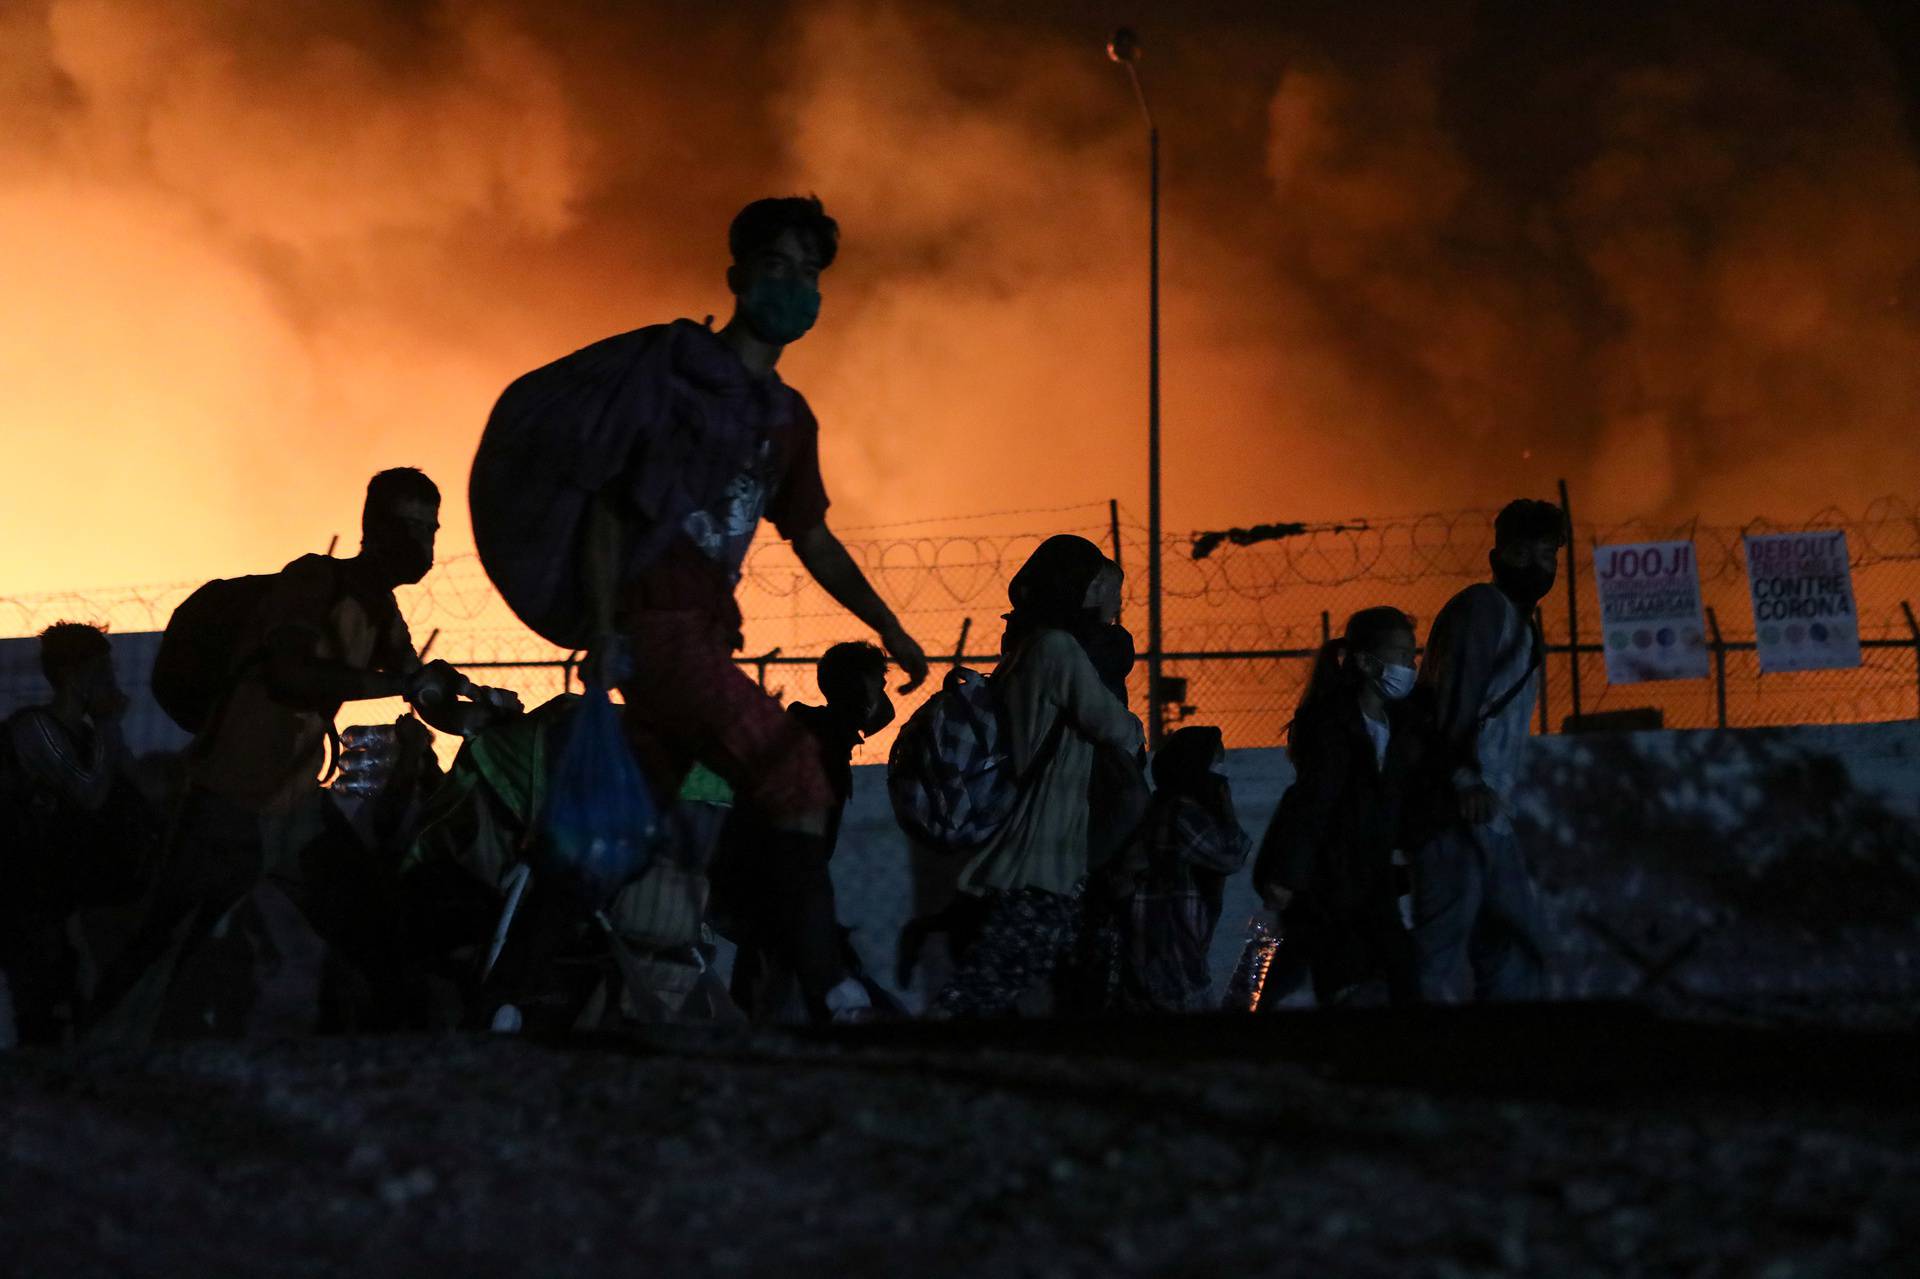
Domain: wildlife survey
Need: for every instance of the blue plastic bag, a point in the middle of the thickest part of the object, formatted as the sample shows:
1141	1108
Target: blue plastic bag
600	814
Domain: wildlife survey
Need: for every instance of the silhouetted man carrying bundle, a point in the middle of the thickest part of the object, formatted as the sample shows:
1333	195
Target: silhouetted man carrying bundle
615	495
1475	914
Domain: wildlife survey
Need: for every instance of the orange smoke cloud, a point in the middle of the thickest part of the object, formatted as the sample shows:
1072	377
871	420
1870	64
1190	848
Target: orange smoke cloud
226	244
1672	262
256	251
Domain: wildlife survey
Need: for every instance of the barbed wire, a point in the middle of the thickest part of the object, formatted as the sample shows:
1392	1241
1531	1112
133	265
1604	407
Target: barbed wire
1280	596
978	515
929	573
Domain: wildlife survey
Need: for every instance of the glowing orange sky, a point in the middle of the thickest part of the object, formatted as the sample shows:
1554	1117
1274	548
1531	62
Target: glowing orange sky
254	252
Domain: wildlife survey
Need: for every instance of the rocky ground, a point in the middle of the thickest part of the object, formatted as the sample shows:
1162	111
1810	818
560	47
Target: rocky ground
1545	1142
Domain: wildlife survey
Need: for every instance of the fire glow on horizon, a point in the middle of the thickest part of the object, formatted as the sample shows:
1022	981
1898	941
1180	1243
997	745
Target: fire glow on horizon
255	251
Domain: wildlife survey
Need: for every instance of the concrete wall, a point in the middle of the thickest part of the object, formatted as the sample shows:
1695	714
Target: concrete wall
1788	859
1794	853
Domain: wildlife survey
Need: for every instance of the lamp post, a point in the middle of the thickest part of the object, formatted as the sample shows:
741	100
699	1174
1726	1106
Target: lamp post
1124	48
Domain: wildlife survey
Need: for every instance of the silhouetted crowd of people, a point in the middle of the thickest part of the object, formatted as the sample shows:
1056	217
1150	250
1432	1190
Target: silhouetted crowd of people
282	877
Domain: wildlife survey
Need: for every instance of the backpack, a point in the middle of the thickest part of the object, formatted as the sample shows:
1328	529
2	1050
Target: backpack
199	659
950	775
555	437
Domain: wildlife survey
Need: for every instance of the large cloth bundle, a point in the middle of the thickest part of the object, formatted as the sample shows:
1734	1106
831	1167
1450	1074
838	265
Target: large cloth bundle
661	420
556	437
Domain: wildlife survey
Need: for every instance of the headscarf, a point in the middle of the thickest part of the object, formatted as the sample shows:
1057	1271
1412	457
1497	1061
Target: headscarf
1050	590
1184	763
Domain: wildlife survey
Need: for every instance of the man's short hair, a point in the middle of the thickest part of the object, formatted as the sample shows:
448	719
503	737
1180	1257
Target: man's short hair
401	484
66	647
764	221
1529	520
843	667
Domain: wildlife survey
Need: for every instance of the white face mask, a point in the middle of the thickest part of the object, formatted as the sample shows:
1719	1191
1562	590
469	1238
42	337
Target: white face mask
1394	682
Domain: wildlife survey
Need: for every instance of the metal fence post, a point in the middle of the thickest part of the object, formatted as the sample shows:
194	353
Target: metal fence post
1573	604
1913	629
763	661
1719	665
1546	719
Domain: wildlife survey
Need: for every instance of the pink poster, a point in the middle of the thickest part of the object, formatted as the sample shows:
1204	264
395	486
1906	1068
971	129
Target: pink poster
1650	611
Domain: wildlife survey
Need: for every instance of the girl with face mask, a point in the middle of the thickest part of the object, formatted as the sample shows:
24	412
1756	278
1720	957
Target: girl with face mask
1327	861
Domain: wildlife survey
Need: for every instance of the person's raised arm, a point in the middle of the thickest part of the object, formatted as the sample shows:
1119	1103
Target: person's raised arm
600	547
600	566
830	565
436	699
298	676
434	688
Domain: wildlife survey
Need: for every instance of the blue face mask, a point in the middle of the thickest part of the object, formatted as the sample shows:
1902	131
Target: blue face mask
1394	682
780	310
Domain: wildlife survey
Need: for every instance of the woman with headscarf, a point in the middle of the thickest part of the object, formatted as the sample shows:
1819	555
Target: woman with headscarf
1177	870
1059	712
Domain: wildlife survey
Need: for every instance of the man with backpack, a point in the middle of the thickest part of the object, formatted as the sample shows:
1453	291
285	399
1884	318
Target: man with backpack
258	668
1476	918
615	494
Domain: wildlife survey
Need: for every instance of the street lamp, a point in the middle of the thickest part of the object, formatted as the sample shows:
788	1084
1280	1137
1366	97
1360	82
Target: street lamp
1124	48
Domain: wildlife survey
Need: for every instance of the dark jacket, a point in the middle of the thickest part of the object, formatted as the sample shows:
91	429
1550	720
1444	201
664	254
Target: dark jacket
837	744
1192	844
1333	837
1478	640
1332	843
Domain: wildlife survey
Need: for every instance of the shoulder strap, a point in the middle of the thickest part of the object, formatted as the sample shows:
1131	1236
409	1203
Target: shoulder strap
383	611
1537	652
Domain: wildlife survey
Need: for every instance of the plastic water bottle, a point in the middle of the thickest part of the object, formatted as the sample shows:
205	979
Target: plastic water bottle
358	779
1256	957
367	742
366	759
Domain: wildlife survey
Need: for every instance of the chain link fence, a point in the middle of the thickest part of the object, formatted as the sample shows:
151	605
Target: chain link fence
1242	621
1271	604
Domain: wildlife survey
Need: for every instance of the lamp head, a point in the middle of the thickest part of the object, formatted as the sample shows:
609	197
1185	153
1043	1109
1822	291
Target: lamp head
1124	46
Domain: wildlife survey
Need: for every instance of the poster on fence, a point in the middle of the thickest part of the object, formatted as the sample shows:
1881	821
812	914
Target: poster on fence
1803	612
1650	611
